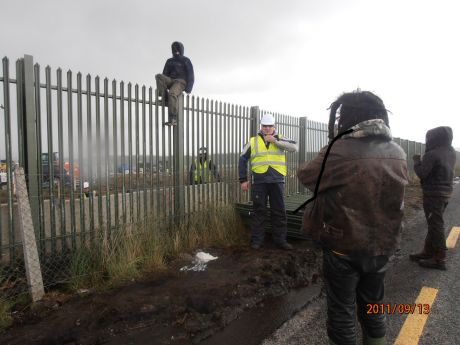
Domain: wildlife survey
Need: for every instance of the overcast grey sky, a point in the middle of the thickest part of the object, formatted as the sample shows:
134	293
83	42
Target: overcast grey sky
293	57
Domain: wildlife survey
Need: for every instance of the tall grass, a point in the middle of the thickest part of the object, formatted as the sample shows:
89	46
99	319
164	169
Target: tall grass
137	249
5	315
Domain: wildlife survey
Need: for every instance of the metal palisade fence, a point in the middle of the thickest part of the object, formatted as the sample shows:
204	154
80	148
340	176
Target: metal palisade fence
98	157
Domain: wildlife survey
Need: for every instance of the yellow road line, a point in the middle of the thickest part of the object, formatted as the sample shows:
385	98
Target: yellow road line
413	326
453	236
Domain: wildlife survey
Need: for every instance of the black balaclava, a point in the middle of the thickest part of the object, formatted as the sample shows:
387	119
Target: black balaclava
177	47
203	155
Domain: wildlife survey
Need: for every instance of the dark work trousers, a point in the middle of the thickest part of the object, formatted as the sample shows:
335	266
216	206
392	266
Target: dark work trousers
434	207
273	193
351	284
175	87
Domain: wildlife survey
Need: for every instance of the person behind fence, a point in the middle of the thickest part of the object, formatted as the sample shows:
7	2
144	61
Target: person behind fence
436	173
266	154
177	76
203	170
357	214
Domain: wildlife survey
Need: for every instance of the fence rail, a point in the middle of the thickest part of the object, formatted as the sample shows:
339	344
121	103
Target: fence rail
97	155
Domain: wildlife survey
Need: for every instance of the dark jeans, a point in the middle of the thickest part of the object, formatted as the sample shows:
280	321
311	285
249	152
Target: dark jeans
273	193
434	207
352	283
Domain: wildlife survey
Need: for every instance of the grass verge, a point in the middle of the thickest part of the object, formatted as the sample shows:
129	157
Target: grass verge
148	247
138	249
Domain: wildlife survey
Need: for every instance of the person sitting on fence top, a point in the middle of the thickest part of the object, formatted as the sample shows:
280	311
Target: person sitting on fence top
177	76
266	153
436	173
356	216
203	170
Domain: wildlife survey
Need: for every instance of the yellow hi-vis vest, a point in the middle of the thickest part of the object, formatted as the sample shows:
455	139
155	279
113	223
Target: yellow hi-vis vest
263	158
201	169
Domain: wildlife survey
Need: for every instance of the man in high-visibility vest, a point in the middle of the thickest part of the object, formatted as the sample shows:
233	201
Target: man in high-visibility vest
267	157
203	170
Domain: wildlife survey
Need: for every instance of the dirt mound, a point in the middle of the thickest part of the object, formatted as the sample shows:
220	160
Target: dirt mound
174	307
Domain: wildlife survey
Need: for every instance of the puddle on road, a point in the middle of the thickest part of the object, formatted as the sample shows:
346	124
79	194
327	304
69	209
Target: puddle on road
257	324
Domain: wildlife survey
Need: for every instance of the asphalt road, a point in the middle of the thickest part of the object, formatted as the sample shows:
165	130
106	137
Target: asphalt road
404	283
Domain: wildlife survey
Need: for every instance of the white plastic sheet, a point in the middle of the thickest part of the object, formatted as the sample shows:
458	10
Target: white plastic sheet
200	262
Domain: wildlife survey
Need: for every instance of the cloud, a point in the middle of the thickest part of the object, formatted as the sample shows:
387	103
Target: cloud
293	57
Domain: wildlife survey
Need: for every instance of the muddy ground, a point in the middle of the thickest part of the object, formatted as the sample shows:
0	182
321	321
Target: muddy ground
175	307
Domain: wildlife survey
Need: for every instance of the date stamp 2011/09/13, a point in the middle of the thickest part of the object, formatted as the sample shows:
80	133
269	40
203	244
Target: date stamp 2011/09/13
397	308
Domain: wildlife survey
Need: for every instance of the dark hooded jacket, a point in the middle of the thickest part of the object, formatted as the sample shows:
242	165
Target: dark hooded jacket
359	206
180	67
436	169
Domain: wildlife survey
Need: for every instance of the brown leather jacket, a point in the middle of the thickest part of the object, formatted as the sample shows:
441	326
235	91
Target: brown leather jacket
359	207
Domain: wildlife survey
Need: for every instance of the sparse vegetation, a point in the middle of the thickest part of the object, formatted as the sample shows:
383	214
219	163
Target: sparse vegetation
135	250
5	313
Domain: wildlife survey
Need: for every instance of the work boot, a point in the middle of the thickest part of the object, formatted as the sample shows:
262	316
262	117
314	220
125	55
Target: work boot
426	253
284	246
420	256
438	261
373	341
433	263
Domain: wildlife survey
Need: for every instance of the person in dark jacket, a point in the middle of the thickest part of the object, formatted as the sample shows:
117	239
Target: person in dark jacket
177	76
203	170
266	154
357	214
436	173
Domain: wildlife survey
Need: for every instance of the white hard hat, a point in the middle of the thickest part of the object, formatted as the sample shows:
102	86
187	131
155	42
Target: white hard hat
267	120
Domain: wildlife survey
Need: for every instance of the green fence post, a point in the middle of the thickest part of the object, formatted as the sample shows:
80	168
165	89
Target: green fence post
254	120
29	130
302	145
179	185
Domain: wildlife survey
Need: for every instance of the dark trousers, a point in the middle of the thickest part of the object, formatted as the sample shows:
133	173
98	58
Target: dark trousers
434	207
175	87
351	284
261	194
